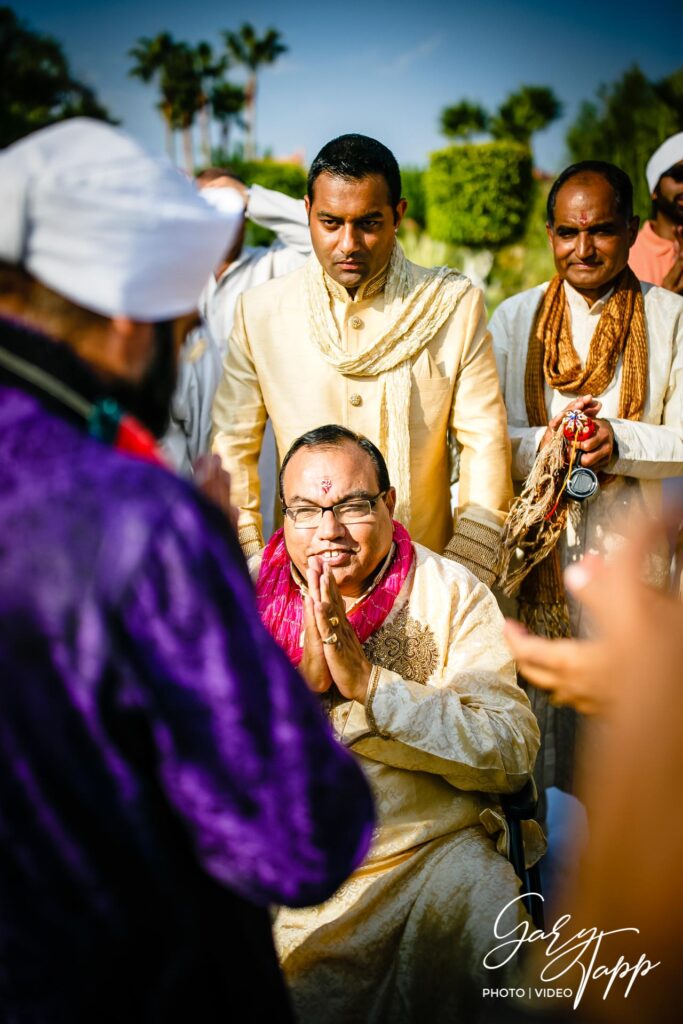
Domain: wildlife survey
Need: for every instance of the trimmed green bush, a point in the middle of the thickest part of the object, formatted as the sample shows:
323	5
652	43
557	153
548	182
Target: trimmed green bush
479	194
413	189
287	178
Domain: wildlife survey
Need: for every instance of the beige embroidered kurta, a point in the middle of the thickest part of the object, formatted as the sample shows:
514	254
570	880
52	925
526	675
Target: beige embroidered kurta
273	369
445	724
649	451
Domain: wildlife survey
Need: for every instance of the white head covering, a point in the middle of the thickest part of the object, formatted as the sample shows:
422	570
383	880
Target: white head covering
226	199
92	215
669	153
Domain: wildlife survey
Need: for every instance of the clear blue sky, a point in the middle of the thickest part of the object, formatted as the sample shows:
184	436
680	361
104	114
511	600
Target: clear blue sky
383	68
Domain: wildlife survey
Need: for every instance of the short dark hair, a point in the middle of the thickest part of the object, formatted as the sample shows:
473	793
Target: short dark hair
618	179
334	436
354	157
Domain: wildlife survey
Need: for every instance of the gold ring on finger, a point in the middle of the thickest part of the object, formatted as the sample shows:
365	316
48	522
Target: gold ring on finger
333	620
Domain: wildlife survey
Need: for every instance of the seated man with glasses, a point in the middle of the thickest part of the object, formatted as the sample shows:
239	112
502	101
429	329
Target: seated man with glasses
406	651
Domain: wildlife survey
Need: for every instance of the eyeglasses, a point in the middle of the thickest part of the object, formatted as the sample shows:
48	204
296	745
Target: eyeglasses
305	517
675	172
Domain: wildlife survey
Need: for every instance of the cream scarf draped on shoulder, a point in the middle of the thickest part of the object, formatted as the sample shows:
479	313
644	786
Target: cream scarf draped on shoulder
416	308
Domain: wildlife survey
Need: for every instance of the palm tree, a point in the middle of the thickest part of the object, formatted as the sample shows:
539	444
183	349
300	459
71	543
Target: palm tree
181	84
227	102
245	48
208	71
151	58
178	70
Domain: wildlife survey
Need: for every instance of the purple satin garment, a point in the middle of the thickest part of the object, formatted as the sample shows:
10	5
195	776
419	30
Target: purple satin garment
162	766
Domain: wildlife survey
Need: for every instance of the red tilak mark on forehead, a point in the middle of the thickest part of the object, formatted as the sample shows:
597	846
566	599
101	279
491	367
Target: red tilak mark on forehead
326	485
583	219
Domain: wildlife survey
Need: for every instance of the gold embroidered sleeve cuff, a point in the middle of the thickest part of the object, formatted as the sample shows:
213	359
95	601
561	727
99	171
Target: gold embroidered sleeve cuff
475	545
250	540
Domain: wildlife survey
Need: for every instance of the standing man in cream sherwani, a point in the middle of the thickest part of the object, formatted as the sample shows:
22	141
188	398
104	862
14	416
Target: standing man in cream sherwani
598	340
361	337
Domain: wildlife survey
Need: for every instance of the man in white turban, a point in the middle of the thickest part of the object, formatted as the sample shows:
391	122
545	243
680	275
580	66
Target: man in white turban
163	768
657	254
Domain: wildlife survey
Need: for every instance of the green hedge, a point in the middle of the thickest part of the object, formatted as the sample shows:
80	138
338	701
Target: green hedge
413	189
479	194
287	178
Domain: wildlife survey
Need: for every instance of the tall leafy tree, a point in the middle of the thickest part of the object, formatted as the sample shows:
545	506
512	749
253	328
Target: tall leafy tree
227	103
180	71
209	70
182	80
464	119
37	87
253	52
151	57
629	120
529	110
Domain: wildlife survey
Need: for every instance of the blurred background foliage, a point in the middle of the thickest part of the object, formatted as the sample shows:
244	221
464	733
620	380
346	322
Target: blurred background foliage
475	204
626	123
279	176
478	195
37	86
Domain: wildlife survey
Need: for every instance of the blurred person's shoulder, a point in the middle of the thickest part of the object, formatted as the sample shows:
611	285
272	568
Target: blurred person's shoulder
139	500
284	292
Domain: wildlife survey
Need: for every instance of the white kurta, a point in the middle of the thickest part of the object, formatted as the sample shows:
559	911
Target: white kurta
650	450
445	725
199	371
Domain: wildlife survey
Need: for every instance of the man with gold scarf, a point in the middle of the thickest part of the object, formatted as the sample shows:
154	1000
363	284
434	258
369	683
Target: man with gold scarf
596	340
364	338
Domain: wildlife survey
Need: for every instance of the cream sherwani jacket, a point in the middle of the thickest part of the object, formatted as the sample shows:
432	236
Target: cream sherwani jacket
444	726
273	369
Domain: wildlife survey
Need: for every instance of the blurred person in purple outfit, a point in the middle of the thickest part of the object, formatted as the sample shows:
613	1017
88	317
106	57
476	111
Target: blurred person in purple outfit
165	774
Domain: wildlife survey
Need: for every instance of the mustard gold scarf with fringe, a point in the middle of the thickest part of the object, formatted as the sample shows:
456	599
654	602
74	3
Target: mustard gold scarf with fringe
551	358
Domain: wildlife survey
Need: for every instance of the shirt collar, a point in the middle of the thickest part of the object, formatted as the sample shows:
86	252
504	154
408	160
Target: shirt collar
365	291
577	302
